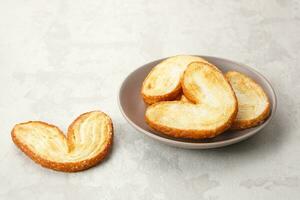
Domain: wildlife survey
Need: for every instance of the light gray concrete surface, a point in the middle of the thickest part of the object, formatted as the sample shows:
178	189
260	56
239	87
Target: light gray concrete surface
60	58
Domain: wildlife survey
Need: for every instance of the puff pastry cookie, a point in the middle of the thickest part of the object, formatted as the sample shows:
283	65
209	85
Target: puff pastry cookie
214	109
254	106
88	141
163	81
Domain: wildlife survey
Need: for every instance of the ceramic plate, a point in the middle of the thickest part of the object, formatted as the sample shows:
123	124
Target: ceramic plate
133	107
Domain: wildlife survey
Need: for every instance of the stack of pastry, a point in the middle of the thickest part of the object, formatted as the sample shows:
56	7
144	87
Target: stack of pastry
188	97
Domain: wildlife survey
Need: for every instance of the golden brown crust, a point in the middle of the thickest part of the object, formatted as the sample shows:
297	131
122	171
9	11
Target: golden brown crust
194	133
167	97
240	124
184	99
65	166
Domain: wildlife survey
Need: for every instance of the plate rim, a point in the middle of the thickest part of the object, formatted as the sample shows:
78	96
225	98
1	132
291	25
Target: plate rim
202	145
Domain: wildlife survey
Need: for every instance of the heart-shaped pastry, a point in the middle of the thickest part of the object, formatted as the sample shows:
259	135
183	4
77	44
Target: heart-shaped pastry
254	105
88	141
213	109
163	81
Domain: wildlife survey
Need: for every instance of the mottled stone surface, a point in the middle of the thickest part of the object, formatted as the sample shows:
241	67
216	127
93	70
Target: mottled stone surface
60	58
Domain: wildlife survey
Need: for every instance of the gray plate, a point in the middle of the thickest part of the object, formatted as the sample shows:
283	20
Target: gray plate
133	107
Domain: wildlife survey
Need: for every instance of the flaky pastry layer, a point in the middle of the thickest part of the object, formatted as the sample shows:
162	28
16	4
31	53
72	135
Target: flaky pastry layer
88	141
254	105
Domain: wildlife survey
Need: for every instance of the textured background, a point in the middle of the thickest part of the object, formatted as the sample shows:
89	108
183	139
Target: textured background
60	58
